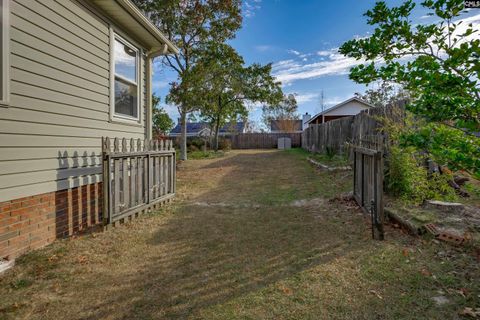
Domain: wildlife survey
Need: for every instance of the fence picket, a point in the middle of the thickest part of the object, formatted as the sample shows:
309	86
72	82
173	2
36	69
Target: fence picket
136	176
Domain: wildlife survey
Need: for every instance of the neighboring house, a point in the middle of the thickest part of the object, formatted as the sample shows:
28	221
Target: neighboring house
72	72
199	129
278	126
346	108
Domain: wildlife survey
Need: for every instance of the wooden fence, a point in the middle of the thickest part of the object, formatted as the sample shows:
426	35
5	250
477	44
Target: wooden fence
263	140
336	134
137	175
368	180
332	134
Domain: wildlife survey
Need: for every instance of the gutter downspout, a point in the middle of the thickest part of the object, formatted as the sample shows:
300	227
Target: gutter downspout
150	55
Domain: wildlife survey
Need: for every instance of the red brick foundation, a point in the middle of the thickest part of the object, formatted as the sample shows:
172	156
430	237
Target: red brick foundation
33	222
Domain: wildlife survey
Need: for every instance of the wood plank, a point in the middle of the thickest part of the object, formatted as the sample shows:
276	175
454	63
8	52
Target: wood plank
20	36
116	187
59	86
50	21
133	181
47	186
150	163
44	93
27	53
125	184
66	78
49	40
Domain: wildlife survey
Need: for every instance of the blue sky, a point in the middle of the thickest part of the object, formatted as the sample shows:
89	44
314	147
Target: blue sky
301	39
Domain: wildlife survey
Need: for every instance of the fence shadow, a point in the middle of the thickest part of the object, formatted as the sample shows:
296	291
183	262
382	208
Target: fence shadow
208	254
78	203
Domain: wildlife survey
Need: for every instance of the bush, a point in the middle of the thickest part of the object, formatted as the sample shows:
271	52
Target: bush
409	180
330	152
224	144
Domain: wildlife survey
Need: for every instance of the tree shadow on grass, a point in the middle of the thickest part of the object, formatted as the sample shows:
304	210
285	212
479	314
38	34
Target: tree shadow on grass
206	255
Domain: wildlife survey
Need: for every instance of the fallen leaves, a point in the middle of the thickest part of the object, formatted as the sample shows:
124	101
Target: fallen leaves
286	290
470	312
82	259
376	294
425	272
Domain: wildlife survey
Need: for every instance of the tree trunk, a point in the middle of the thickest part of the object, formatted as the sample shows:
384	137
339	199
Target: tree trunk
183	136
217	130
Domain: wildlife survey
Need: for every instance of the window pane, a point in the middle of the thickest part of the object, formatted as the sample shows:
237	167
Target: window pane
125	98
125	61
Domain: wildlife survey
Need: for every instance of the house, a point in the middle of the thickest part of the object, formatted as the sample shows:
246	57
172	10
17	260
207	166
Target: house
346	108
72	72
198	129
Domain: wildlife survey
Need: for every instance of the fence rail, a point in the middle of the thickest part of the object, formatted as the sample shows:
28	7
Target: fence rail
137	175
263	140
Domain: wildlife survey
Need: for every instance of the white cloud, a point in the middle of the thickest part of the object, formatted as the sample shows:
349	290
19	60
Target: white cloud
250	7
306	97
295	52
330	62
326	53
288	71
263	48
285	65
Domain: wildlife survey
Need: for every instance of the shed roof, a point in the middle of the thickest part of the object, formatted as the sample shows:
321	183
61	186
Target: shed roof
129	17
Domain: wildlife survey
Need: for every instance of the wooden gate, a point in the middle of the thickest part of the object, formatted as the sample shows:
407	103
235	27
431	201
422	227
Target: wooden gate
137	176
368	180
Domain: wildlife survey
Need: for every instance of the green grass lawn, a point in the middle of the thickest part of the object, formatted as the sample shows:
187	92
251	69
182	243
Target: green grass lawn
251	235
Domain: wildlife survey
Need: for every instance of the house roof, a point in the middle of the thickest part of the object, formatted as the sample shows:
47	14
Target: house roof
281	125
340	105
128	16
196	127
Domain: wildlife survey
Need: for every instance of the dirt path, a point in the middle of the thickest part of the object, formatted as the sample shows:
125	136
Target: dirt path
250	236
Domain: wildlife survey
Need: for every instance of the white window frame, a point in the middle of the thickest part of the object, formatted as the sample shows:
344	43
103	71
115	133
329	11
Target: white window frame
118	117
5	53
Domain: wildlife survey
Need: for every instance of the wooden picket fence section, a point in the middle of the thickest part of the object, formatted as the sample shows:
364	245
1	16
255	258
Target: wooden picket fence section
137	176
368	179
264	140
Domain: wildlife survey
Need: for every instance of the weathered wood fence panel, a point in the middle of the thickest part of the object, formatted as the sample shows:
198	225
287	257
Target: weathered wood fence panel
337	133
332	134
263	140
136	176
368	180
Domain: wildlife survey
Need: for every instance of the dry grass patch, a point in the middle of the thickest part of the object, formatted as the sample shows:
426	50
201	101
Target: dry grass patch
250	236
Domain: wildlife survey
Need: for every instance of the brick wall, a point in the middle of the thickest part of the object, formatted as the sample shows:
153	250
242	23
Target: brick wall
33	222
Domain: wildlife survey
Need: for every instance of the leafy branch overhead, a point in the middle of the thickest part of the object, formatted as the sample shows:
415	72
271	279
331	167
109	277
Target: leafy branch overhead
438	63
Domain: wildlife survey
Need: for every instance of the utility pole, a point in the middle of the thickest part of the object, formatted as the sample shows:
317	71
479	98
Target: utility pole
322	101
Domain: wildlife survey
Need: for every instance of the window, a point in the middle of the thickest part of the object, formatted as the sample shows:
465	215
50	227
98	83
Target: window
4	51
126	79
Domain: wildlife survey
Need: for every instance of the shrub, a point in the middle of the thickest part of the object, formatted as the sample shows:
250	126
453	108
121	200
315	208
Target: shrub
330	153
225	144
409	180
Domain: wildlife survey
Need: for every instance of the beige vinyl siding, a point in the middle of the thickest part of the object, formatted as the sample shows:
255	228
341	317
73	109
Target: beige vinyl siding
59	99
